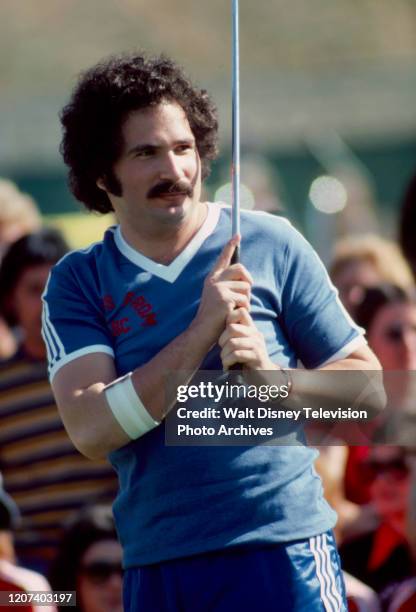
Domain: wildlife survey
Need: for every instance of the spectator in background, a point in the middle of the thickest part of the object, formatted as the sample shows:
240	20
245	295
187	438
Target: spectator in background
411	513
23	275
89	562
330	466
18	216
407	225
383	556
9	518
13	578
402	597
364	261
7	340
388	314
42	470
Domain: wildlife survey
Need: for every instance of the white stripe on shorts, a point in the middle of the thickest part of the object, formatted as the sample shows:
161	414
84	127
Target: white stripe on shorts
330	595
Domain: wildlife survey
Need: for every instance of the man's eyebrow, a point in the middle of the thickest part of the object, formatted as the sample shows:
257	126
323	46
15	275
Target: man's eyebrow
142	147
154	147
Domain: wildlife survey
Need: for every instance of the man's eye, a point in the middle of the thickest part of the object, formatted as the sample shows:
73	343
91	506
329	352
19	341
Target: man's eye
184	148
143	153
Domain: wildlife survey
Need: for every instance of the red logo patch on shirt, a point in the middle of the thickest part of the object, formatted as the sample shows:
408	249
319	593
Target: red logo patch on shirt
141	307
120	326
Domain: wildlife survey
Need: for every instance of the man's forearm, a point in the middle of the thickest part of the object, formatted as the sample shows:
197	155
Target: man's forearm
326	389
355	381
85	411
182	357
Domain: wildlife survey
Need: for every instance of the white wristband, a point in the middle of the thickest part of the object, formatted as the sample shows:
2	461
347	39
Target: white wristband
128	408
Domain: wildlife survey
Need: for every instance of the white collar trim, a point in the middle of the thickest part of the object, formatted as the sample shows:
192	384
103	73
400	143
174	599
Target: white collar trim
171	272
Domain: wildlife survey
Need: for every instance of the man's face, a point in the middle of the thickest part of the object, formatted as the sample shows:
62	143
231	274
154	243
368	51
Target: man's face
158	170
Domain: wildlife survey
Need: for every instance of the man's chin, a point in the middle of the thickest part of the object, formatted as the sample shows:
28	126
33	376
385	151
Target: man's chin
175	211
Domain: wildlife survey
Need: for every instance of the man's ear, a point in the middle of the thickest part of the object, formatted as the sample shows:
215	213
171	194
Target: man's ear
100	184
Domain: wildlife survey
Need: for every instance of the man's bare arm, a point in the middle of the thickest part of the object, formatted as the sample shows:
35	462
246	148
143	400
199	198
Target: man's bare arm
80	385
353	380
79	389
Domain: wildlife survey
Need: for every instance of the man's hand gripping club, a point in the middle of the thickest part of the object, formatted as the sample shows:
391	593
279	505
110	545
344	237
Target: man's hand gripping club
226	301
226	288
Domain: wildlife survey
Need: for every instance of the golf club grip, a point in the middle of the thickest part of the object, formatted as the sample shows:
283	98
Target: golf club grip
236	259
236	255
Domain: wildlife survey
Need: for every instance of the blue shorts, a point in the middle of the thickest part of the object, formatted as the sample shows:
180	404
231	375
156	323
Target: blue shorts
301	576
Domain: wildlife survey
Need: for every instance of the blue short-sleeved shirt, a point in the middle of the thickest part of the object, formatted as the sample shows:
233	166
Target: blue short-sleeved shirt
179	501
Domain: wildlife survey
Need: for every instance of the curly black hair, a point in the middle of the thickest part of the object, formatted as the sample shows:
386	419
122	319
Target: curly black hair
100	103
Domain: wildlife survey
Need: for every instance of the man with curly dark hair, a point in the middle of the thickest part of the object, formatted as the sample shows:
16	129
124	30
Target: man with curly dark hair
219	528
92	140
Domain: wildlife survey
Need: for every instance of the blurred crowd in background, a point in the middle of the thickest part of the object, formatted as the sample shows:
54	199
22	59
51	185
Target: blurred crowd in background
56	526
328	136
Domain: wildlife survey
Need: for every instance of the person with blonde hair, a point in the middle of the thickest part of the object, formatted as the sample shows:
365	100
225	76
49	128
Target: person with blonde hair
363	261
19	215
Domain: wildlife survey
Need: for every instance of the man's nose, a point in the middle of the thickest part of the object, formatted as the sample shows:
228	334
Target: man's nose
171	168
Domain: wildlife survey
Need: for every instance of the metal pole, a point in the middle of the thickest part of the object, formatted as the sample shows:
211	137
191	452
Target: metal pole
235	151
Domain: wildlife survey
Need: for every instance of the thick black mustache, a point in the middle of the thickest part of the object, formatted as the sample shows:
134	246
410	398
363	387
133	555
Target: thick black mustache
164	187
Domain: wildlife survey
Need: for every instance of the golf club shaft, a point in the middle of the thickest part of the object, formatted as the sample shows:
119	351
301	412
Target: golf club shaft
235	147
235	151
